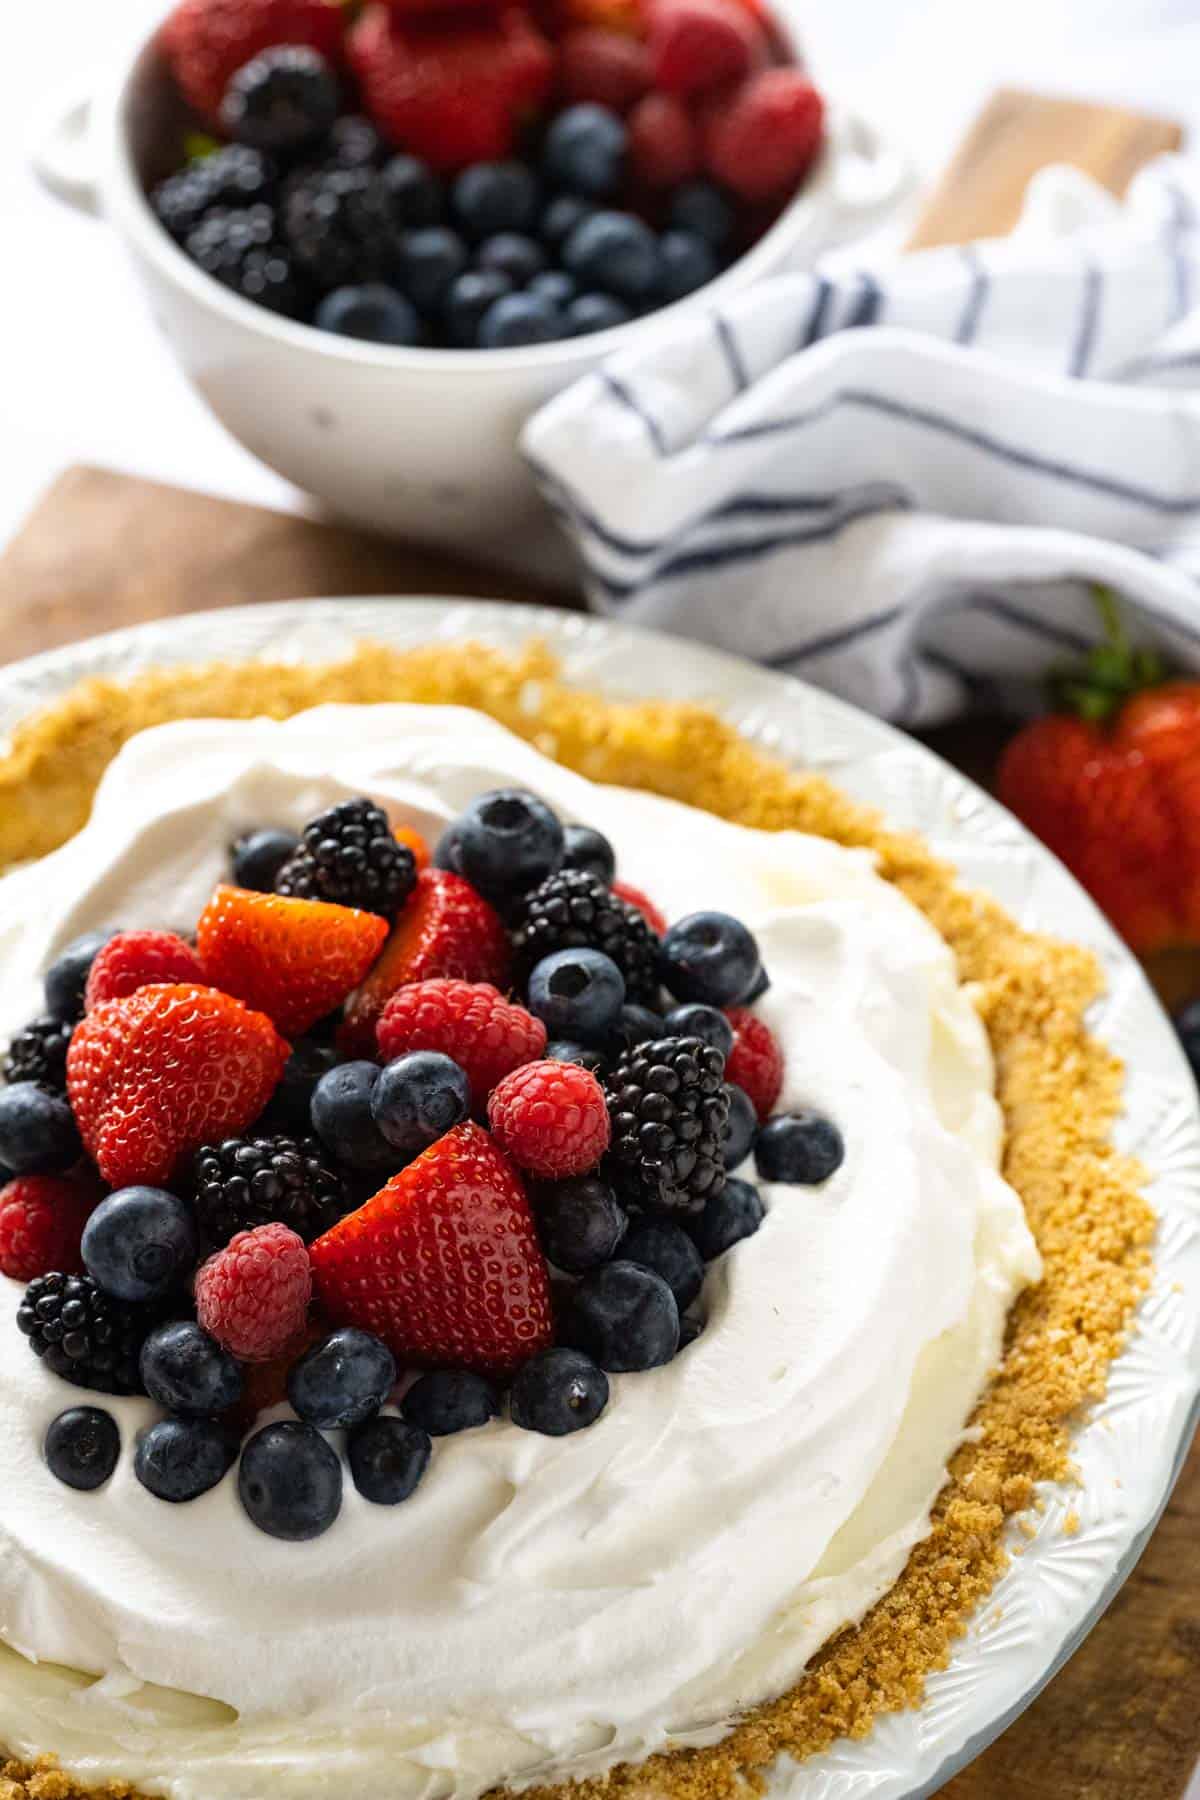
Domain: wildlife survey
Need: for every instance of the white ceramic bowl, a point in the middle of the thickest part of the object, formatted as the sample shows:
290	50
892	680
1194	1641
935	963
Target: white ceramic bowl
420	443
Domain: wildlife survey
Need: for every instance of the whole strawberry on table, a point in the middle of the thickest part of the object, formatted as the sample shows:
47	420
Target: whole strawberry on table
400	1138
410	172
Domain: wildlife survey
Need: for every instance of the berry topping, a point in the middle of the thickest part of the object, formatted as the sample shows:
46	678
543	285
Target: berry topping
710	957
590	851
573	910
244	250
667	1250
179	1459
588	1056
595	312
291	959
284	100
343	1380
290	1481
246	1182
188	1372
253	1295
698	45
766	137
487	1036
258	856
450	1400
343	1120
373	313
82	1447
756	1061
495	197
338	226
418	1098
430	261
138	959
83	1335
512	253
688	263
625	890
558	1392
742	1128
443	1264
519	319
616	253
625	1318
388	1457
66	978
560	218
800	1147
703	1022
607	67
38	1132
584	151
38	1053
669	1110
153	1077
207	41
701	208
469	301
550	1117
289	1112
412	840
350	856
735	1213
580	1223
504	844
636	1025
140	1243
229	179
41	1223
664	150
577	993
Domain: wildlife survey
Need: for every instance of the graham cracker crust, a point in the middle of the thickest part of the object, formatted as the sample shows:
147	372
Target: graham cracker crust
1059	1090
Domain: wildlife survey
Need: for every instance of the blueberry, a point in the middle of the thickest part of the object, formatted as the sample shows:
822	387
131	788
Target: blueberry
418	1098
625	1317
188	1372
689	1330
585	1056
616	253
595	312
282	101
590	851
430	259
413	192
558	1391
83	1447
800	1147
1187	1024
733	1214
636	1025
688	263
580	1223
710	957
342	1117
511	254
258	856
449	1400
701	208
584	151
704	1022
505	843
759	989
519	320
373	313
561	217
388	1457
290	1481
343	1380
577	994
742	1128
667	1250
38	1134
140	1243
290	1107
470	297
66	977
180	1459
556	286
496	196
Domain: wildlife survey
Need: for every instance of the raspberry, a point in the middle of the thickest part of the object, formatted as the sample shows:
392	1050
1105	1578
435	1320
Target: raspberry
698	45
625	890
551	1119
41	1222
763	142
486	1035
755	1063
138	959
294	960
663	146
607	67
253	1295
38	1052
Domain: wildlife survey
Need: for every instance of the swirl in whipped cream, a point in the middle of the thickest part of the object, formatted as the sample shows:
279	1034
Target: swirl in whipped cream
541	1607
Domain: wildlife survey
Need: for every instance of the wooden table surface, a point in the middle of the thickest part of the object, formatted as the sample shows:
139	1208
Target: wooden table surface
1122	1720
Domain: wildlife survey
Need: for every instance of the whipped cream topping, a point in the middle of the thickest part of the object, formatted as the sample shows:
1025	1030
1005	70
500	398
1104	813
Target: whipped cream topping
540	1607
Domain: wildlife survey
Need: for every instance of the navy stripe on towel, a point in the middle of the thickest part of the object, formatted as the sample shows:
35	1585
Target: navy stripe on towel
1089	315
733	355
977	294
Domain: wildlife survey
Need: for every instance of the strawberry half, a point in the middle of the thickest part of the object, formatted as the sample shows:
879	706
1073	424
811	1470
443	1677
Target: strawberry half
295	960
152	1077
444	1263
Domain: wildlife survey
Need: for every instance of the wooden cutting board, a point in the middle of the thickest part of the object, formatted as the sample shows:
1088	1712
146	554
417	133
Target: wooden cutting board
1122	1720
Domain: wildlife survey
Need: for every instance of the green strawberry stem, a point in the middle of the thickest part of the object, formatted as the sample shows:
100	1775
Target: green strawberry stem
1112	673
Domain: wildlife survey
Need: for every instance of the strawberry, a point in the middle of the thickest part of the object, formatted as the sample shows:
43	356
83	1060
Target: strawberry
1113	787
446	929
452	91
443	1264
412	840
664	149
699	45
607	67
208	41
138	959
295	960
152	1077
763	140
487	1036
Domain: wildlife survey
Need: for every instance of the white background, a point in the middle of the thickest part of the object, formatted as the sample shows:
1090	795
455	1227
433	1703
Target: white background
85	378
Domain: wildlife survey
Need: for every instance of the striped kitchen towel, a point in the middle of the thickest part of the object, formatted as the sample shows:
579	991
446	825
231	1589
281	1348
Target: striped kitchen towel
901	481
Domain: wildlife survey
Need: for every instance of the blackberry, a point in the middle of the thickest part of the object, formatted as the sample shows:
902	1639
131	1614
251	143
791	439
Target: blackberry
236	176
38	1052
338	222
669	1109
284	100
349	857
83	1335
355	143
246	1182
240	247
574	909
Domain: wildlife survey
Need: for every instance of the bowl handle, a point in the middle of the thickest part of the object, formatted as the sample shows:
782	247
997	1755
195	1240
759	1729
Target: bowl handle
63	153
869	173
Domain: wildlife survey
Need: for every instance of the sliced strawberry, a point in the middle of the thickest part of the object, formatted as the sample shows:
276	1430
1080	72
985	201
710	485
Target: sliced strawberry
443	1264
295	960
